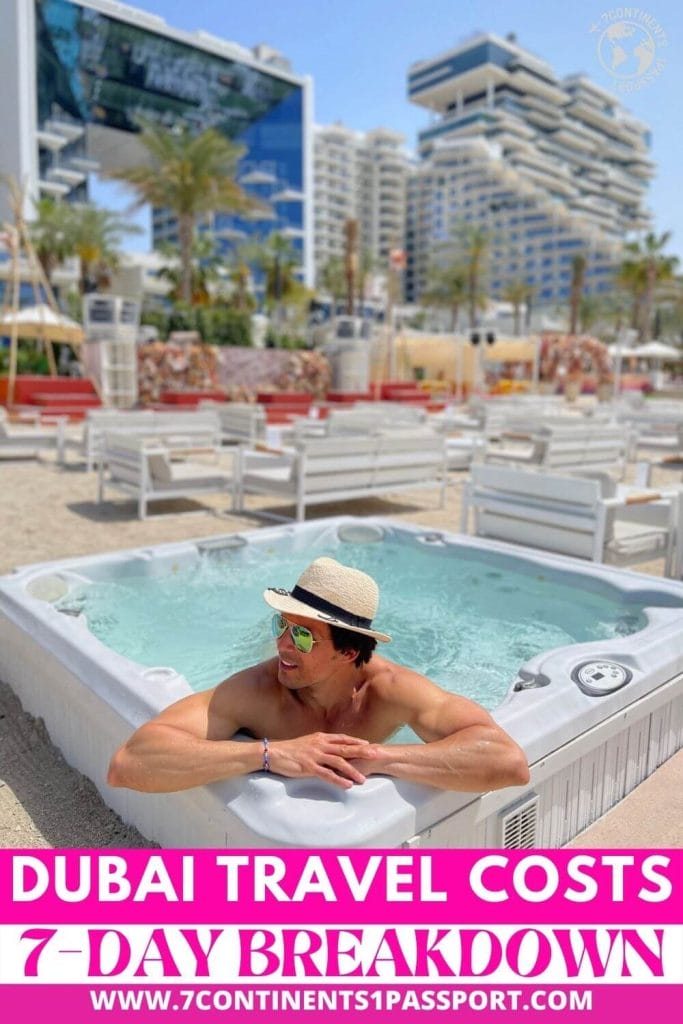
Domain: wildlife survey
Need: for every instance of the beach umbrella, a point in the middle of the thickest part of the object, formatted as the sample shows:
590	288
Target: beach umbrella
42	322
656	350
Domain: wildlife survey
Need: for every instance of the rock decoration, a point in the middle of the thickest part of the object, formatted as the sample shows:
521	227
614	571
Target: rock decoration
169	366
306	371
238	372
244	372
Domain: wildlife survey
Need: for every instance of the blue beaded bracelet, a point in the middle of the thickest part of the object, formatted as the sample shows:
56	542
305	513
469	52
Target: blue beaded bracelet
266	755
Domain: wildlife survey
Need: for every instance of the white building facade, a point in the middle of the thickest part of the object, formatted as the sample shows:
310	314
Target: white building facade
362	177
547	168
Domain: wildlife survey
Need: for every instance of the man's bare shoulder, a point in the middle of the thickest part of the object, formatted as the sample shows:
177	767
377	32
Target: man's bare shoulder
415	693
254	680
385	676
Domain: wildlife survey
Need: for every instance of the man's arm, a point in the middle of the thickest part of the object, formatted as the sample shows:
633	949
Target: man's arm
463	750
186	745
189	744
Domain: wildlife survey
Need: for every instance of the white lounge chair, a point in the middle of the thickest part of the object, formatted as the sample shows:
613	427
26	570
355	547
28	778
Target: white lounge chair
569	515
147	470
24	440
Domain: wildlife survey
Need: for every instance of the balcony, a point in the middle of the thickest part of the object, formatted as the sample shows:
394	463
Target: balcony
68	131
51	140
230	234
263	214
82	163
54	188
528	83
258	178
69	177
287	195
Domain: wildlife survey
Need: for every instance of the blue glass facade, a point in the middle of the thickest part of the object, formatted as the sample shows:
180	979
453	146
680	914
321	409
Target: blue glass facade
94	69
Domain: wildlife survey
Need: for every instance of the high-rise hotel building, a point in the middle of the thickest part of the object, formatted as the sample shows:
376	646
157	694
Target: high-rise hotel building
78	77
548	168
363	177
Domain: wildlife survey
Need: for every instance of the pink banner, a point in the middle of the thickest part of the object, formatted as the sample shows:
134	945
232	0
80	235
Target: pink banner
380	934
365	886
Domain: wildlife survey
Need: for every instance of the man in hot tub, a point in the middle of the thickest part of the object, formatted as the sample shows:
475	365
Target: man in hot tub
322	708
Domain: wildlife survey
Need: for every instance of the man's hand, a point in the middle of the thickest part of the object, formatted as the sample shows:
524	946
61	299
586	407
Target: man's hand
321	755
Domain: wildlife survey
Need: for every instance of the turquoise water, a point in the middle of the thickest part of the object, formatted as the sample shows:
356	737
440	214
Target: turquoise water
457	616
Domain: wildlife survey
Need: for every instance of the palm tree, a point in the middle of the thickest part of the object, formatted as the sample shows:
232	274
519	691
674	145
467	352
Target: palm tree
51	232
206	265
475	243
448	288
278	258
332	279
517	293
646	267
239	270
631	280
366	265
591	312
96	236
579	264
191	176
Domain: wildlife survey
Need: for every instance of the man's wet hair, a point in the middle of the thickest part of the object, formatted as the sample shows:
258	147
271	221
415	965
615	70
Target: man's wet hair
348	640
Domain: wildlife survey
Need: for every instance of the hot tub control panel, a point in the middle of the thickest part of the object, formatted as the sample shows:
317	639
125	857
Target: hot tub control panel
597	678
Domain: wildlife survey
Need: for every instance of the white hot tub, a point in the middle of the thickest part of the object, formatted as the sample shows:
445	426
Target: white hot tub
595	716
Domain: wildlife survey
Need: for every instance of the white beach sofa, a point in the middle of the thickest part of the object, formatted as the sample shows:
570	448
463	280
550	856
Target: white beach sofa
563	449
339	468
197	427
239	421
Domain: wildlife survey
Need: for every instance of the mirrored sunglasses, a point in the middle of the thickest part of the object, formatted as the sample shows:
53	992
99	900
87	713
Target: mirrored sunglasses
302	638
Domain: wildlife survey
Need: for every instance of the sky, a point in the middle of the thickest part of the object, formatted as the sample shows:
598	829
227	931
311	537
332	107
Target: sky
358	53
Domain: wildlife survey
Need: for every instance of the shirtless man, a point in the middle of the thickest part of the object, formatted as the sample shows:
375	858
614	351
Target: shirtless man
323	707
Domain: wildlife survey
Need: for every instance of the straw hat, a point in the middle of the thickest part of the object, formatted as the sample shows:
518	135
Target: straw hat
334	593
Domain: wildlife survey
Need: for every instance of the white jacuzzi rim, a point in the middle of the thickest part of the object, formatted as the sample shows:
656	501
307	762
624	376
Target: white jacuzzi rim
255	797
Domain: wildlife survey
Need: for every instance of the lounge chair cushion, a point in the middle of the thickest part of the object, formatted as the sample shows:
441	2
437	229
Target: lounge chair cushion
160	467
193	474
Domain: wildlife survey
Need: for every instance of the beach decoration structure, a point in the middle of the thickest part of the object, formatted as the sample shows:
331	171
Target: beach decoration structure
566	358
44	321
